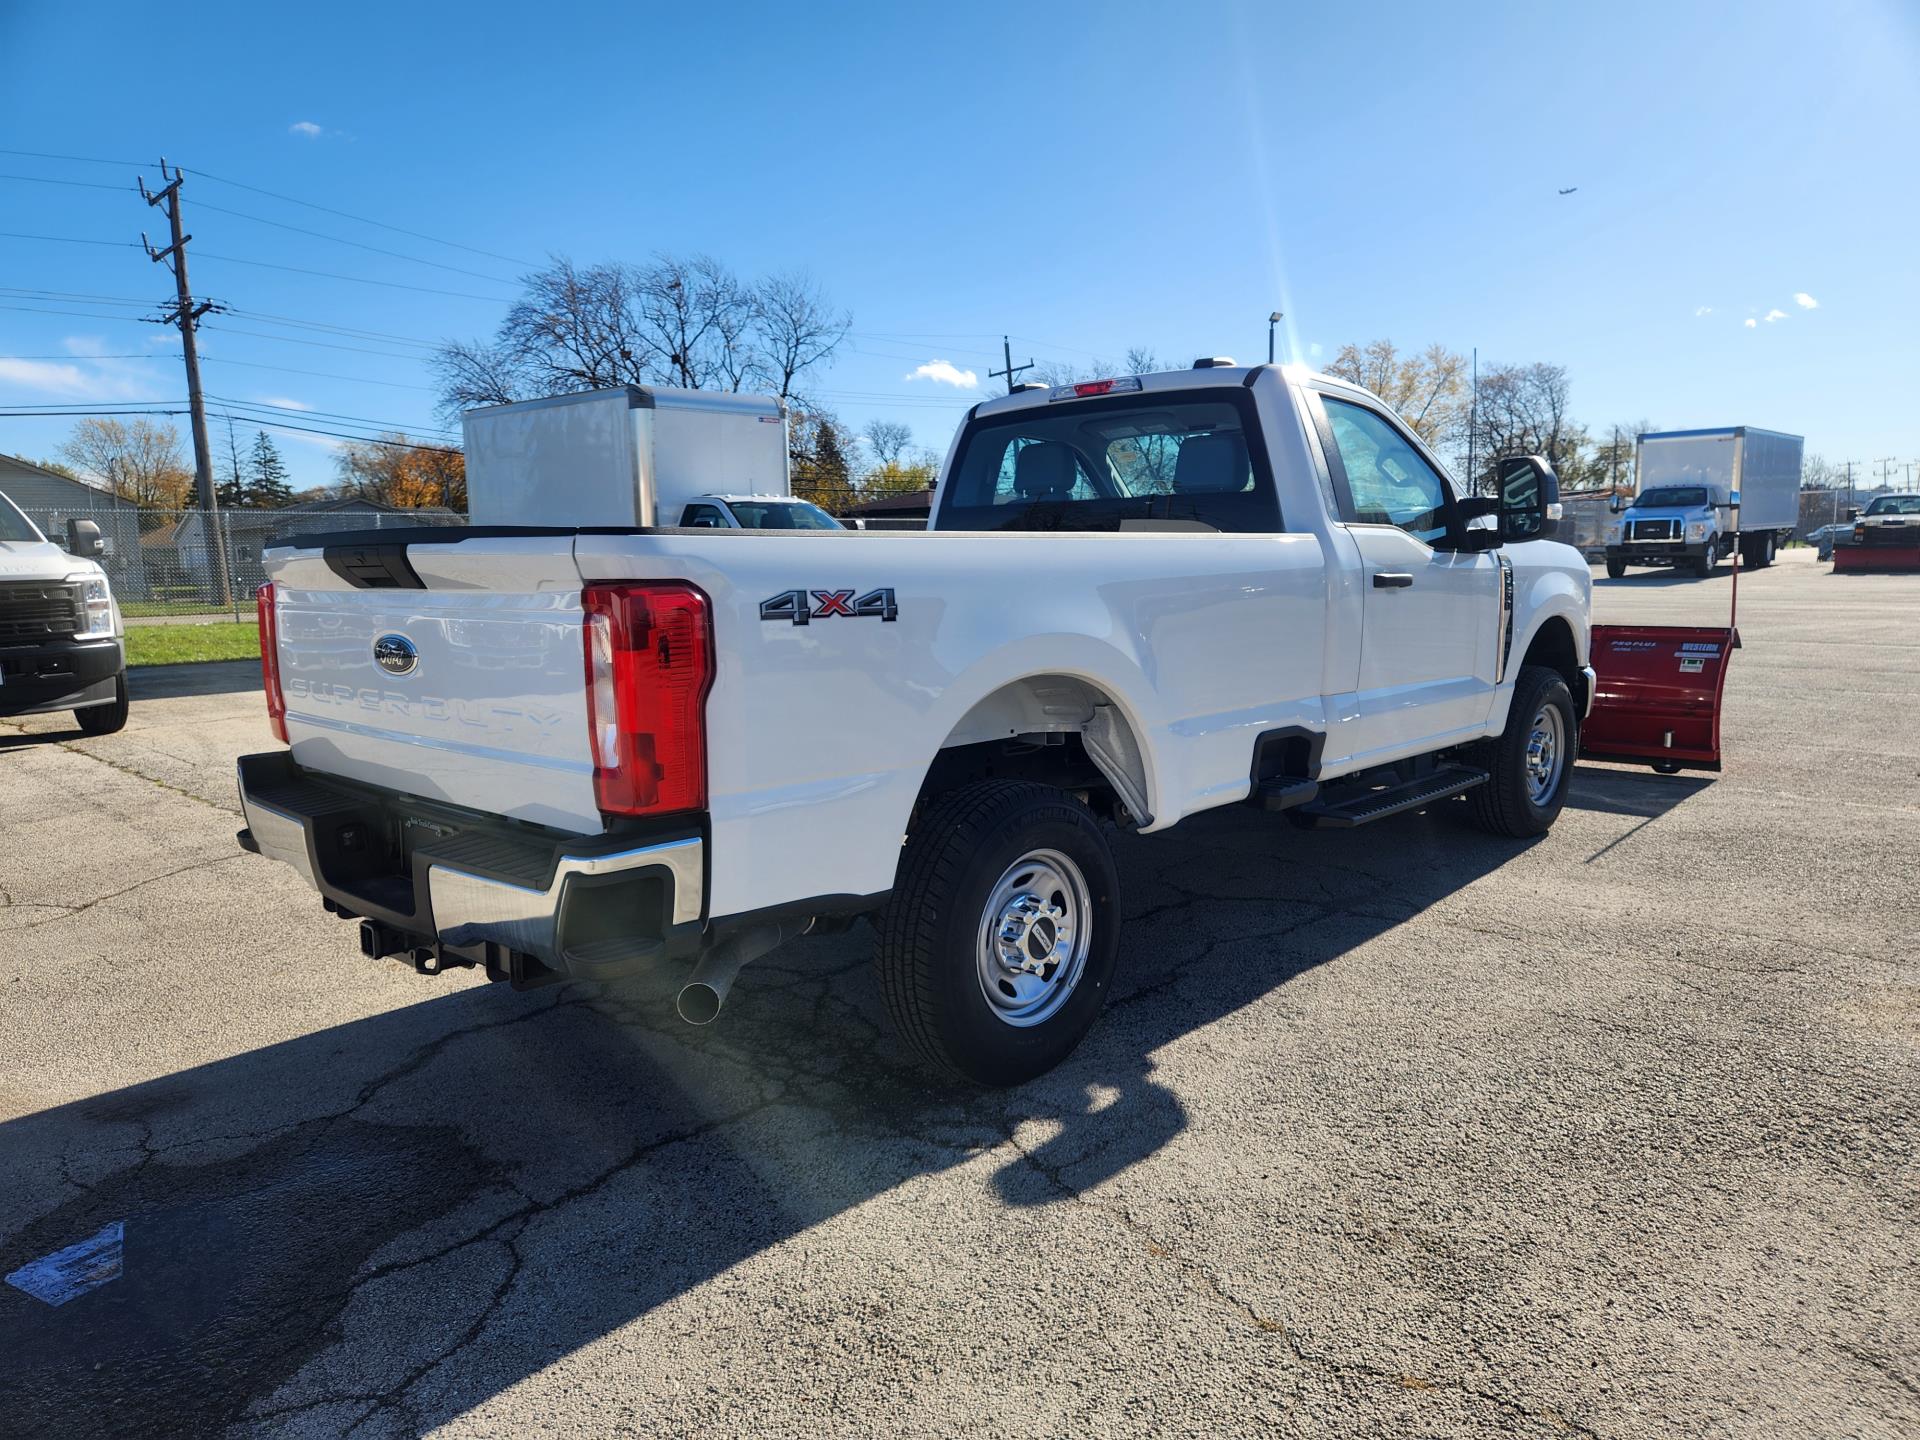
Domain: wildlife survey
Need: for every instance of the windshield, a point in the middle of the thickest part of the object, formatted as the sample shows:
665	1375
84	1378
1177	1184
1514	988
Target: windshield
1895	505
782	515
1679	497
1100	464
14	525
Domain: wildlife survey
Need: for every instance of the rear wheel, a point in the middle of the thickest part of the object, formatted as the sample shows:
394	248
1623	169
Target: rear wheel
997	947
1529	763
108	718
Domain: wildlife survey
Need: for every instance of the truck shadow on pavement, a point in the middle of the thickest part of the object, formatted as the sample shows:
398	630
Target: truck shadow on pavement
379	1226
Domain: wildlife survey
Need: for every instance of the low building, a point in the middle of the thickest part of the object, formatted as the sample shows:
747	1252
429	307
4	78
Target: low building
910	511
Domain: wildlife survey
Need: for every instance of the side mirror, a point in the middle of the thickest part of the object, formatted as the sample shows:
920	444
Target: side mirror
83	539
1529	498
1853	512
1469	538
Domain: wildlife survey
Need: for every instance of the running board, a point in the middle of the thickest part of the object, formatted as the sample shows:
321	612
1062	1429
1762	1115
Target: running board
1283	792
1370	805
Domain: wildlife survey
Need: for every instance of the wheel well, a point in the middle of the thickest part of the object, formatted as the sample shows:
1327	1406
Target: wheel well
1552	646
1056	729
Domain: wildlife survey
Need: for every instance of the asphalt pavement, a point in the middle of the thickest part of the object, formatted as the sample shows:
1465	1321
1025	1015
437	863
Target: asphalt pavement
1404	1132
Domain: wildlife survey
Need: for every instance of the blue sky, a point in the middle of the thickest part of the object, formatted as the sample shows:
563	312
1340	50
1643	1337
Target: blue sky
1083	177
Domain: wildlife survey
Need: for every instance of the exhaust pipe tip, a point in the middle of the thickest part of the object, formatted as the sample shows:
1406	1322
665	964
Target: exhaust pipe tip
699	1002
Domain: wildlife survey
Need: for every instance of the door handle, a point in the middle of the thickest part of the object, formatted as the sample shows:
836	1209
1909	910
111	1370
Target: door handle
1387	580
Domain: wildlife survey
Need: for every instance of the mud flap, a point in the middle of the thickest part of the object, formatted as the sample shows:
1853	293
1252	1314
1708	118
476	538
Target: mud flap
1657	694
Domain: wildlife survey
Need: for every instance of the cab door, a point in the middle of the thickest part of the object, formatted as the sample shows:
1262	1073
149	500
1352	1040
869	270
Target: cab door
1429	613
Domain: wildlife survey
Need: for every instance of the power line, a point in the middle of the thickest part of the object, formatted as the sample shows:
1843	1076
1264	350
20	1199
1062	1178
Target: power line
328	415
288	340
353	279
66	239
361	219
77	159
342	240
77	184
82	413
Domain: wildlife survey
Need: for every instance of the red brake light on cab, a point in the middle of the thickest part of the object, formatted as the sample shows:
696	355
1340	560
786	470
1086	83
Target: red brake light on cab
649	653
270	659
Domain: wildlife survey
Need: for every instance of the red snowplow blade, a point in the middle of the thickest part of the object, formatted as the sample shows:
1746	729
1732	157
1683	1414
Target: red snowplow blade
1657	696
1876	557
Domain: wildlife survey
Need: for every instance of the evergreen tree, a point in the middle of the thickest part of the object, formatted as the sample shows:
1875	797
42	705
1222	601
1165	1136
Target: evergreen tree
269	487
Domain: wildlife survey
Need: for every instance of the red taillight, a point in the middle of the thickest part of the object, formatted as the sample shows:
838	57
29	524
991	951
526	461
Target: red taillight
270	660
649	667
1093	387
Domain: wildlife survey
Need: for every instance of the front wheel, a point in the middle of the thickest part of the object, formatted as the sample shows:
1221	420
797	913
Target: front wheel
998	944
109	718
1616	569
1529	763
1705	563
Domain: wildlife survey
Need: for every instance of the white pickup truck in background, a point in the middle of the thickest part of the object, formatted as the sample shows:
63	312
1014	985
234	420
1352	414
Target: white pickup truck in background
579	752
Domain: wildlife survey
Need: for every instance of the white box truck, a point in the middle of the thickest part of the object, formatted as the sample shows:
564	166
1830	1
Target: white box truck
635	457
1699	493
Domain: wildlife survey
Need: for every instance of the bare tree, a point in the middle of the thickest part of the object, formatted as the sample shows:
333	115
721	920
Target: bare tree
1428	390
795	328
887	439
688	309
138	460
677	321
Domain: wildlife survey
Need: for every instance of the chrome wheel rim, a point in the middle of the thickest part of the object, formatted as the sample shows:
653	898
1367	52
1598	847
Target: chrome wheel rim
1035	934
1546	754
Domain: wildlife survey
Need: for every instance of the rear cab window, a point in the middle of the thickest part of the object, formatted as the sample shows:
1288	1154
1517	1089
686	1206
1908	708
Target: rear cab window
1098	464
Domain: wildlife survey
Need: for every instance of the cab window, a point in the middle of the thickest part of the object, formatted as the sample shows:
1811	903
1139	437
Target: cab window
703	516
1391	484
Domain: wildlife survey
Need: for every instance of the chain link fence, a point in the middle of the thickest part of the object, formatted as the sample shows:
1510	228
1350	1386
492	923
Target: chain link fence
185	562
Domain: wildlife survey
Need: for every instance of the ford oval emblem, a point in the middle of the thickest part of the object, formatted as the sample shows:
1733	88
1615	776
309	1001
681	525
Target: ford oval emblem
395	654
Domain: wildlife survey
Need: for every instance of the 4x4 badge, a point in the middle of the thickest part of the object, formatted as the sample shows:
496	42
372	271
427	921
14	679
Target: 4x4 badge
802	607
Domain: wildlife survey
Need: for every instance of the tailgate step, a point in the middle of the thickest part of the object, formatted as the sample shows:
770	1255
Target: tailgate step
1343	813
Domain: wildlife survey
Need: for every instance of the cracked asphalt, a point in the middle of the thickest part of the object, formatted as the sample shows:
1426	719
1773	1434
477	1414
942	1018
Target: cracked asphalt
1404	1132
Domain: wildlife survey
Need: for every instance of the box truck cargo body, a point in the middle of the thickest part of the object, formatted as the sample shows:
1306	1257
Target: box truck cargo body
634	456
1700	493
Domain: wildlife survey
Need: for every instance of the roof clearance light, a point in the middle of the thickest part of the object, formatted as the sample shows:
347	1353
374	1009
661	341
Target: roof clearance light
1088	388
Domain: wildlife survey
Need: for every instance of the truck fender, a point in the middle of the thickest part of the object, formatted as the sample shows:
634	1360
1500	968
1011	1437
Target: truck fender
1092	695
1550	628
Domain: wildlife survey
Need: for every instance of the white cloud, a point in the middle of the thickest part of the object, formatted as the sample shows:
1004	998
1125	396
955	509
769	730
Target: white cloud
1700	310
1773	315
307	129
67	381
1805	301
947	373
283	402
1751	323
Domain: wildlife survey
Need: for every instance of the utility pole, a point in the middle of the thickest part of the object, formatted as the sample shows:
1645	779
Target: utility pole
185	314
1473	422
1006	351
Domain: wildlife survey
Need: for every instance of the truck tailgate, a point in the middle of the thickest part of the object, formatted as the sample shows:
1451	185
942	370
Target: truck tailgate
481	700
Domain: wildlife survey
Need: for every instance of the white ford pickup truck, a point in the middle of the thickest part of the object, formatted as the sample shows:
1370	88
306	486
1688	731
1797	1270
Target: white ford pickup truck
578	753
